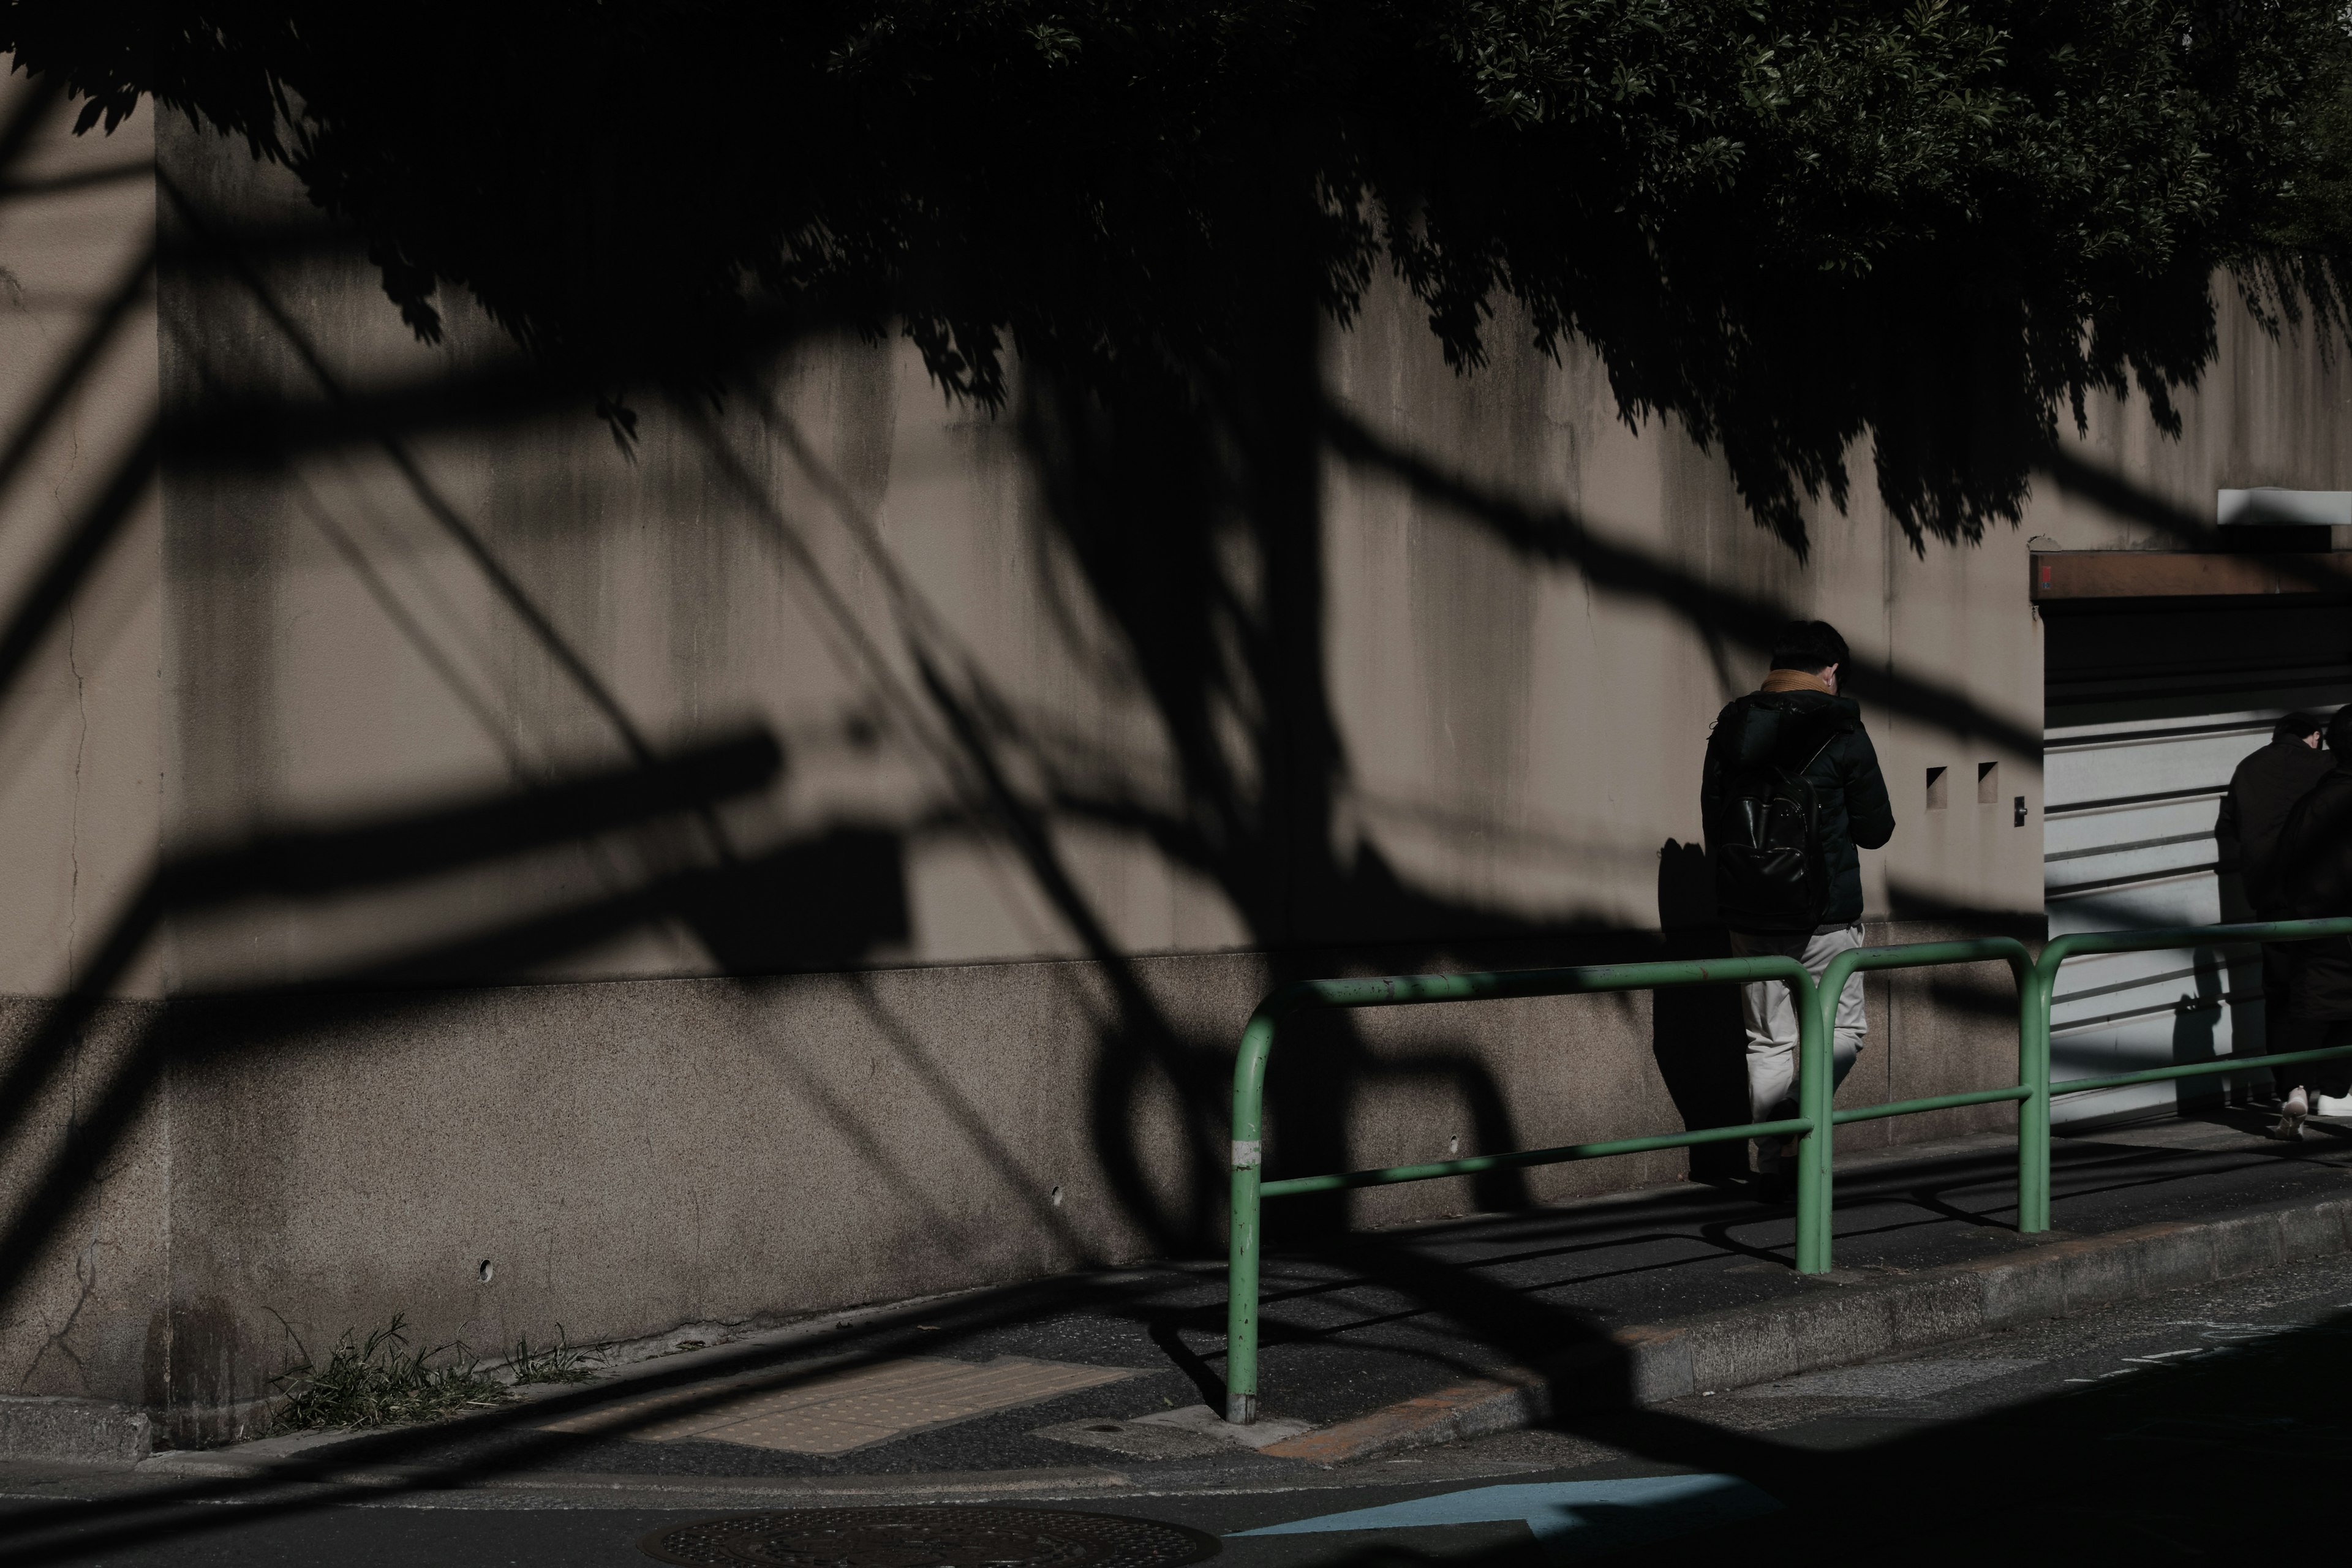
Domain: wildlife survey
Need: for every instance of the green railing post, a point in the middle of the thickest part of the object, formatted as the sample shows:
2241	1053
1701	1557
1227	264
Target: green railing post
1816	1085
2034	988
1246	1233
1816	1197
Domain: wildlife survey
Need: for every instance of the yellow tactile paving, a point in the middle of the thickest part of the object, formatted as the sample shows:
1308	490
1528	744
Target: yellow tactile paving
846	1410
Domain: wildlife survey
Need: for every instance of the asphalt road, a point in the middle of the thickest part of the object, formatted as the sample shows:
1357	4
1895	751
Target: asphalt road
2203	1422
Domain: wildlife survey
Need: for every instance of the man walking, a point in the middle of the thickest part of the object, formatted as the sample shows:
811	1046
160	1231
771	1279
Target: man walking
2312	878
2262	791
1791	792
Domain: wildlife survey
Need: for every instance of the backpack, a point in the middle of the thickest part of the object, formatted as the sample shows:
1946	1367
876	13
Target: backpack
1769	871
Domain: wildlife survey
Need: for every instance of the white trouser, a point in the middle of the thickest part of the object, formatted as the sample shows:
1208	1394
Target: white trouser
1770	1015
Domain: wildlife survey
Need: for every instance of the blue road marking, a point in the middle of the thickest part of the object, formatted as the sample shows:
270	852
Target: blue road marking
1594	1514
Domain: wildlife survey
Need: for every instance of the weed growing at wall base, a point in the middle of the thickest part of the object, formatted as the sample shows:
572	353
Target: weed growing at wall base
379	1381
560	1362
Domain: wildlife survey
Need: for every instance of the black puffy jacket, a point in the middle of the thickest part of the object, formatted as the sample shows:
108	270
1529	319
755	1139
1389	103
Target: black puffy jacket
2263	790
2313	879
1855	814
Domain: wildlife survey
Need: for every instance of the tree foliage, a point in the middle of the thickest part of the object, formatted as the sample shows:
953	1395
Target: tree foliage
1788	224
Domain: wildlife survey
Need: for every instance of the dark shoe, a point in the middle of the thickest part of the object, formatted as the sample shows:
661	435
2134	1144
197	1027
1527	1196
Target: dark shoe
1778	1186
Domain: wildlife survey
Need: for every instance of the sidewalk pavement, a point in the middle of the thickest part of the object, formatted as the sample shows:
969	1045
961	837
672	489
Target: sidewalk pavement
1379	1342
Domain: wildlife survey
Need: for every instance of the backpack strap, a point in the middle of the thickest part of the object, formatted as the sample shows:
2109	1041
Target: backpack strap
1816	757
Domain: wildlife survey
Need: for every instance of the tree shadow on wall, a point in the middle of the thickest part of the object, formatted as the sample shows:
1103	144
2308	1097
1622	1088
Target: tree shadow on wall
650	849
1193	509
1902	252
1192	502
1187	485
1192	516
827	903
112	1069
1196	523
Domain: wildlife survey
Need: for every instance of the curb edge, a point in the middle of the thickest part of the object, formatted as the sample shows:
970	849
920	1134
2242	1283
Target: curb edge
1652	1364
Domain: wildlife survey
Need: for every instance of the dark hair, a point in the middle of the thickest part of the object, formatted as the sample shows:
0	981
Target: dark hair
2339	735
1809	646
2298	727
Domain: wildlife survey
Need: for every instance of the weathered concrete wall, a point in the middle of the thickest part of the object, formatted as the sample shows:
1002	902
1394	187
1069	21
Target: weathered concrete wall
83	1238
2274	409
628	1156
79	538
1089	734
1581	759
879	582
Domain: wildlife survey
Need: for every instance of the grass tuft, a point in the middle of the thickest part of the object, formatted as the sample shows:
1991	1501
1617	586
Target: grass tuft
379	1382
559	1363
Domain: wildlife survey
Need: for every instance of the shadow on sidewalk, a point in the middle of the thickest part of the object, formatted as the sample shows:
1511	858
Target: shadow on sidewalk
1464	1293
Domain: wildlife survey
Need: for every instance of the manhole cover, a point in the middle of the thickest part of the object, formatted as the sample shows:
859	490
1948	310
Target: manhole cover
940	1536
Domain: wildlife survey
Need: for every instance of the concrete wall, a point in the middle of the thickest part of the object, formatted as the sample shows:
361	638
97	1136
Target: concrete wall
80	749
1090	730
2273	409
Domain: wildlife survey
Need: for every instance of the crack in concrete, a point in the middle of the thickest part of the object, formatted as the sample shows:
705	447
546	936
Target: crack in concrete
86	1274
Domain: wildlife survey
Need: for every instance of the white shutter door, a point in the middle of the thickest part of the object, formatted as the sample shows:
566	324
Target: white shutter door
2150	708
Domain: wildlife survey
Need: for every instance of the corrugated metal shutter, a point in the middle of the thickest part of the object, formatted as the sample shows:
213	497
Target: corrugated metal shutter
2149	707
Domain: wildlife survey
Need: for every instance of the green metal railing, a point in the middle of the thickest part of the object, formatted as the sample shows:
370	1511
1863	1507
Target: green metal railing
1404	990
1816	1010
2033	1037
1814	1090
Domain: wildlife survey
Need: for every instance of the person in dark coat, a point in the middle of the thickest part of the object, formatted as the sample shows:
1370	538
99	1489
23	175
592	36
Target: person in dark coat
2312	878
1802	685
2262	791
